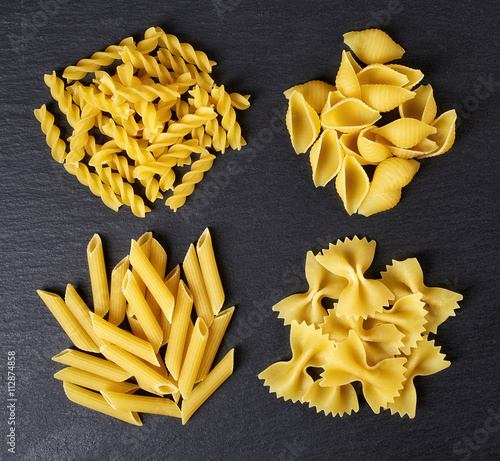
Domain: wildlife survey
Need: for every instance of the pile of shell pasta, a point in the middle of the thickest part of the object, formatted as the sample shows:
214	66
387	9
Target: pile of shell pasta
376	332
344	117
156	111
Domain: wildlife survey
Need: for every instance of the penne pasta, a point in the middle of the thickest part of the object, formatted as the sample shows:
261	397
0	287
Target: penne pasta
194	355
98	277
144	242
138	368
126	340
92	381
82	313
215	335
158	259
180	322
208	386
172	282
96	365
152	279
117	301
209	271
76	333
142	403
140	309
135	326
196	284
97	402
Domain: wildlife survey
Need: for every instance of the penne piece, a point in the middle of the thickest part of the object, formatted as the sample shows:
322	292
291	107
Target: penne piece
92	381
142	403
98	277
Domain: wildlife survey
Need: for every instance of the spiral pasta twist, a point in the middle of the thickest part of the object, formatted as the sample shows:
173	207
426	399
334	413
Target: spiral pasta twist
107	154
80	136
52	134
229	123
190	179
63	98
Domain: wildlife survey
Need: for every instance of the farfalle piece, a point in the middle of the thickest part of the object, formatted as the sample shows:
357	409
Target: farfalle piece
307	307
406	277
290	379
335	400
347	363
350	259
424	360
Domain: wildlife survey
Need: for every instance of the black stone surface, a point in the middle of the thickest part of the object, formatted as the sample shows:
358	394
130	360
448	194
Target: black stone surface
265	214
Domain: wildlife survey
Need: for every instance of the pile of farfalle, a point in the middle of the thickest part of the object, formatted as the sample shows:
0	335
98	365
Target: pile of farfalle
376	333
374	116
150	108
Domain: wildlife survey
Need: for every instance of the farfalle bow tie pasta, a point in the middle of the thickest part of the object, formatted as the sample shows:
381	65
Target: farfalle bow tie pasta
344	128
158	110
377	332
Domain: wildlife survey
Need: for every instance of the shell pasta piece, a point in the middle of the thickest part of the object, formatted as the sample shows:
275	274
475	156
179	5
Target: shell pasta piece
352	184
406	132
315	93
373	46
393	174
326	158
302	122
384	98
422	106
349	116
347	81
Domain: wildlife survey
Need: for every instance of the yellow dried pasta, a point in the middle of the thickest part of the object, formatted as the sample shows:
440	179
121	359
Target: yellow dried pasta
353	108
383	344
181	369
159	100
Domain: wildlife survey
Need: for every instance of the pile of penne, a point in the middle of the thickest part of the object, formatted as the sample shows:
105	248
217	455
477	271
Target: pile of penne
168	348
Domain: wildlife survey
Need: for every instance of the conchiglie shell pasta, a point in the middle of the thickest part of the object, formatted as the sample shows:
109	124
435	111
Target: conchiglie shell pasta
352	184
346	80
445	135
349	115
315	93
392	174
326	158
405	132
369	148
384	98
422	106
376	203
349	144
426	146
414	75
381	74
373	46
302	122
333	98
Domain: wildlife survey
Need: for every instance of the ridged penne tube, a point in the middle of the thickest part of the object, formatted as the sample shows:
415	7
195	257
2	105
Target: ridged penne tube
138	368
414	75
98	276
152	279
302	122
445	134
82	314
144	242
422	106
215	335
196	284
135	325
373	46
180	321
384	98
142	404
392	174
97	402
352	184
92	364
405	132
326	158
346	80
369	148
349	116
158	259
209	271
124	339
194	355
372	203
92	381
381	74
76	333
117	301
52	134
172	282
315	93
208	386
140	309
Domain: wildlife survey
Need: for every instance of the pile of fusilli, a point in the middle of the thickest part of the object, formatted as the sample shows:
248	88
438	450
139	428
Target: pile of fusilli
158	110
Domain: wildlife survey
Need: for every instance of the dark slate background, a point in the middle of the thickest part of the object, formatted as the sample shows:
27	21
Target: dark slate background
265	214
